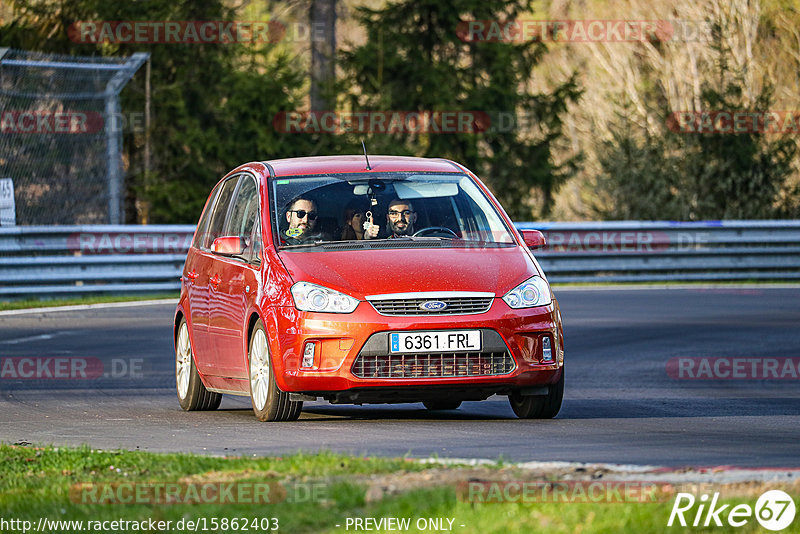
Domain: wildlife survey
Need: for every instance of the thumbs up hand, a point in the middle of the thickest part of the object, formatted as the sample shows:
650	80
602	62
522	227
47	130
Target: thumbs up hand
370	230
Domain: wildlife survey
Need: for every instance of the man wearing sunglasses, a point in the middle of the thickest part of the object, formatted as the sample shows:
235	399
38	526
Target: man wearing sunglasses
400	218
302	217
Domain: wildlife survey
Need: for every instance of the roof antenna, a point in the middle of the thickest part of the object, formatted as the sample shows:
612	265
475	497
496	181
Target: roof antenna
365	154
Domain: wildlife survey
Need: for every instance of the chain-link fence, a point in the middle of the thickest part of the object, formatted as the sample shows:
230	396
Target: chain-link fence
61	135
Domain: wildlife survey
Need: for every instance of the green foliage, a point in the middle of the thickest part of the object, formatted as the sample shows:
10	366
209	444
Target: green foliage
699	174
213	107
414	60
640	179
212	103
693	176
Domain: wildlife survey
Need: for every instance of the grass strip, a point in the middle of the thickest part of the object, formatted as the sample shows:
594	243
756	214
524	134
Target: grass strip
75	301
319	493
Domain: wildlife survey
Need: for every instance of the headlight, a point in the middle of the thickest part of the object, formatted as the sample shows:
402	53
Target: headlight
532	292
314	298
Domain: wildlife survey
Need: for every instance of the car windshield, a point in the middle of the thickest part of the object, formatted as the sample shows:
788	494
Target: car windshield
330	211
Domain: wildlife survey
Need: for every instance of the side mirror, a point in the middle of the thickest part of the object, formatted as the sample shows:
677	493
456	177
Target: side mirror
533	238
228	246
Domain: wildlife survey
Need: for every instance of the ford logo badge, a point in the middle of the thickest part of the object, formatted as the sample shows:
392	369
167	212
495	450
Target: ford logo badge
433	305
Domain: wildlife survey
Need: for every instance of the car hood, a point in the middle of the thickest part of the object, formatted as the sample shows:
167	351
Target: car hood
372	272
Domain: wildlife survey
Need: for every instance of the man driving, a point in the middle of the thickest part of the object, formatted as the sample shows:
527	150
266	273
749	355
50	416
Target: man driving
400	220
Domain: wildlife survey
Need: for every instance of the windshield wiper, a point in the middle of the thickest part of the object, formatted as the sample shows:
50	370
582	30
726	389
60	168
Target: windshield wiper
302	245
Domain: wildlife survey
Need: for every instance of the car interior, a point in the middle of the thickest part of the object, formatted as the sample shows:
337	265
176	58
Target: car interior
441	206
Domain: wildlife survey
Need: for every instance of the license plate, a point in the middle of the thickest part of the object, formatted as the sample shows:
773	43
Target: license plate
450	341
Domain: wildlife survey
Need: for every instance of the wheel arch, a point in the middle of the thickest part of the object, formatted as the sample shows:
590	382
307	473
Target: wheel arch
179	315
251	324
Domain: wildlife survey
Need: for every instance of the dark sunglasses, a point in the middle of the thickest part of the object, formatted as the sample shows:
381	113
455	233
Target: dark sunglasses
395	213
312	215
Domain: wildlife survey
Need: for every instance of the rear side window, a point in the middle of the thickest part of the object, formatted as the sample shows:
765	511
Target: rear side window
243	219
216	225
244	209
202	225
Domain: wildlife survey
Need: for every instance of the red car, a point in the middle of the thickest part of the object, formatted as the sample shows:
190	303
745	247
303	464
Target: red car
386	280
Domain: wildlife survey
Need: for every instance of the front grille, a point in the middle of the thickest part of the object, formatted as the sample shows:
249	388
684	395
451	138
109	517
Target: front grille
433	365
455	306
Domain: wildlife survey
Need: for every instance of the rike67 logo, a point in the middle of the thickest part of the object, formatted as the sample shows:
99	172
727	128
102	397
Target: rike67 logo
774	510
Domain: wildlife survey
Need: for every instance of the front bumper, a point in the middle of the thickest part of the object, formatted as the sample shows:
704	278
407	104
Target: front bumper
339	339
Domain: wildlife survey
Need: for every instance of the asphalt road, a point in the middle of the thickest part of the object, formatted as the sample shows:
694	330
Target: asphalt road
621	405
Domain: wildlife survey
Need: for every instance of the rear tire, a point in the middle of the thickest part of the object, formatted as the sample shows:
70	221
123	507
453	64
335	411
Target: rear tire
192	394
541	406
269	402
442	405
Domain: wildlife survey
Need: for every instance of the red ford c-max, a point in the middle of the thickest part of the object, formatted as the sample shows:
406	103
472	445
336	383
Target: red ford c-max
386	280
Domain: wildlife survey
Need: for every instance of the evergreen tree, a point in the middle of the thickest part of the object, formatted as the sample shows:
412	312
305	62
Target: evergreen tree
703	168
414	59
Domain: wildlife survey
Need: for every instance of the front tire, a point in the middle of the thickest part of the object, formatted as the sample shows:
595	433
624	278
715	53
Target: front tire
269	402
192	394
541	406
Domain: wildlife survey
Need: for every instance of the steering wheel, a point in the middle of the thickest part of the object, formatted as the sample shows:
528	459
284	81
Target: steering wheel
432	230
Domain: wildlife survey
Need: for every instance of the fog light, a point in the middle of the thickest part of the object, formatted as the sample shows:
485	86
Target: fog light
308	355
547	351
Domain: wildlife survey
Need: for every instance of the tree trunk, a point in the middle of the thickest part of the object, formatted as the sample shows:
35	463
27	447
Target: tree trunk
322	18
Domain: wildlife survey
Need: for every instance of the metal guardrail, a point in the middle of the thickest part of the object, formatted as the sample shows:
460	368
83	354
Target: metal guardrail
63	260
638	251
